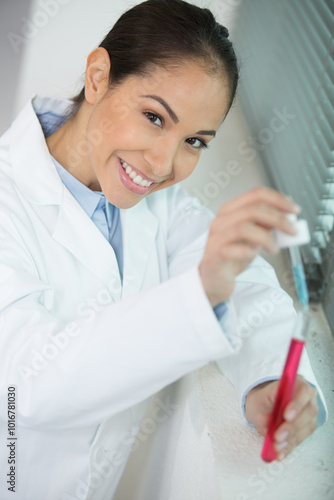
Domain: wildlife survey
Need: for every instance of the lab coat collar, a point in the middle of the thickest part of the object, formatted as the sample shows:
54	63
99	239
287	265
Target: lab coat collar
27	135
37	177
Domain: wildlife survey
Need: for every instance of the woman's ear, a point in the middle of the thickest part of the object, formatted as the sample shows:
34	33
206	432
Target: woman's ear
97	75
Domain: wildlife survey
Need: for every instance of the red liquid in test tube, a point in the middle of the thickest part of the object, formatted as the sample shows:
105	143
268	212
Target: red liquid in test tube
285	391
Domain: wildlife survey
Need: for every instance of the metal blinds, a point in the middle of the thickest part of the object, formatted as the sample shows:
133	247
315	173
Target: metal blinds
286	51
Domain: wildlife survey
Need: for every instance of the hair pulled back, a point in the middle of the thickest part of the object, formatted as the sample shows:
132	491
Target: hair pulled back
158	32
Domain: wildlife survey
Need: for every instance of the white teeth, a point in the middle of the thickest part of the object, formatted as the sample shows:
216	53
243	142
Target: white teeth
137	179
141	182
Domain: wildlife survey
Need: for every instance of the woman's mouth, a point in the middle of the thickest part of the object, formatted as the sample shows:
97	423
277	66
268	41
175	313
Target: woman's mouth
137	179
132	180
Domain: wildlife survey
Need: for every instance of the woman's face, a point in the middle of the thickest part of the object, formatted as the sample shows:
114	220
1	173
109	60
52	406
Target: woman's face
149	132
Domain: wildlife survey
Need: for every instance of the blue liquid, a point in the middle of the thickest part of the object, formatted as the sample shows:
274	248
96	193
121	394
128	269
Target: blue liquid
300	281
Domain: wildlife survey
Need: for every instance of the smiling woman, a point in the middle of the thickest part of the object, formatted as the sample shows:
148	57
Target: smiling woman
114	282
159	141
122	79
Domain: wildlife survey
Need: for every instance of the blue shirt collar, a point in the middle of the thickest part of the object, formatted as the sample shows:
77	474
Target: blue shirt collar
88	199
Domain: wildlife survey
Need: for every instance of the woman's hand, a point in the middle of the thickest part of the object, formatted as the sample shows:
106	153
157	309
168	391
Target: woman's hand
300	415
242	227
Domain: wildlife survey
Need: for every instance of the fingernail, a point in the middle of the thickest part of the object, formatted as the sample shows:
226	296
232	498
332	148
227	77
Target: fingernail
291	415
291	223
293	228
282	436
295	207
281	446
281	456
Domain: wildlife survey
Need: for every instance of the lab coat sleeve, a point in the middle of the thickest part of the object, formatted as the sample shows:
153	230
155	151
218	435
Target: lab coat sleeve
260	318
187	236
82	372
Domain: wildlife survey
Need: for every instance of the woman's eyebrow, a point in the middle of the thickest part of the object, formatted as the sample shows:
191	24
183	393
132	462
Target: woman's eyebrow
207	132
173	115
165	105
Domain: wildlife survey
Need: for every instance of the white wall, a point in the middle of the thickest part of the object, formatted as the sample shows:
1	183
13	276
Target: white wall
11	14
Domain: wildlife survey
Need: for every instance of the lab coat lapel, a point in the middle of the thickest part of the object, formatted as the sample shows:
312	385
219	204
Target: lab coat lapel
31	160
78	233
140	256
141	265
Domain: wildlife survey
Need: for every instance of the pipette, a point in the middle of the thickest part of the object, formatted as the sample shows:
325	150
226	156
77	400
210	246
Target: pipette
299	276
287	382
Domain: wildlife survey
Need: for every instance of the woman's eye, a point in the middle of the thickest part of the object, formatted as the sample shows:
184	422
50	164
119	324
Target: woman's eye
197	143
154	118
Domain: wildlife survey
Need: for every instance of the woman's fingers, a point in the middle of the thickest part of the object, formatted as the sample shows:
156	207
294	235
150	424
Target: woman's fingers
265	195
264	216
300	414
247	234
300	419
239	251
302	395
293	434
250	226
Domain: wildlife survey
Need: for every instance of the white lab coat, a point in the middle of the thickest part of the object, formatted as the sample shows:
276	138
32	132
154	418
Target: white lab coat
85	353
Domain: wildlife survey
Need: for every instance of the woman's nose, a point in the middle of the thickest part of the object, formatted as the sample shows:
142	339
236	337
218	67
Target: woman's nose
161	158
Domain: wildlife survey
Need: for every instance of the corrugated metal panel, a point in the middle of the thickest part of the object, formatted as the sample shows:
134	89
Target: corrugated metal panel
286	49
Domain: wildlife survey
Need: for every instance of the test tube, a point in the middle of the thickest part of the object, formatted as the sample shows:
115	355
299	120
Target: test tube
288	378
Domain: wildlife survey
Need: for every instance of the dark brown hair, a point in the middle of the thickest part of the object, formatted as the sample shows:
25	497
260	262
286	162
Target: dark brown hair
158	32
